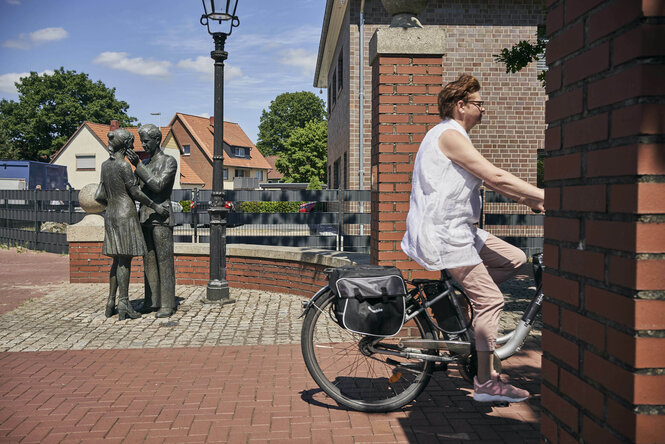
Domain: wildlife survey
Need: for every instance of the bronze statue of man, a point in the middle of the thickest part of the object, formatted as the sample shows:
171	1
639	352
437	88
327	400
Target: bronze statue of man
156	175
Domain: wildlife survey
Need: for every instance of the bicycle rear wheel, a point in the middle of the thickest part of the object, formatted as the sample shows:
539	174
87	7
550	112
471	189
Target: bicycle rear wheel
345	369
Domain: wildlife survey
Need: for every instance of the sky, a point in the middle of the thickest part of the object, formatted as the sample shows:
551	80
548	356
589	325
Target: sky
156	54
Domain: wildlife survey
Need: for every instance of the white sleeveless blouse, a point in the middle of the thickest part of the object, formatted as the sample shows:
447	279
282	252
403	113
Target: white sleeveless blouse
445	203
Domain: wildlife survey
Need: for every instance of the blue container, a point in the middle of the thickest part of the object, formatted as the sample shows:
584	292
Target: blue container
44	175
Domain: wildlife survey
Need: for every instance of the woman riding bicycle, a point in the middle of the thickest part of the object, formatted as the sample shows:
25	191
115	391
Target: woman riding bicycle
445	205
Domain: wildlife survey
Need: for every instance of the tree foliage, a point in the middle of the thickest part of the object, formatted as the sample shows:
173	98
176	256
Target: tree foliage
50	108
286	113
521	54
304	157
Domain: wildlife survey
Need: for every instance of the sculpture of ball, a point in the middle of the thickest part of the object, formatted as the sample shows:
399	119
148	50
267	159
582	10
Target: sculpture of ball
87	199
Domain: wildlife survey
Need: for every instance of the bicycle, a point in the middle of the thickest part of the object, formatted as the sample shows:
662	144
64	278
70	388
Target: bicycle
380	374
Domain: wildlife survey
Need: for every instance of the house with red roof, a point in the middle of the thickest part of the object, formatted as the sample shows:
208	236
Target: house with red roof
274	176
194	136
87	148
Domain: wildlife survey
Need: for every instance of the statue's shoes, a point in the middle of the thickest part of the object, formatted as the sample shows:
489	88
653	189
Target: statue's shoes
164	313
146	310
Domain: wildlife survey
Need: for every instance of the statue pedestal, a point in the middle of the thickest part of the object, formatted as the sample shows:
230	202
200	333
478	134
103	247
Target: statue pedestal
90	229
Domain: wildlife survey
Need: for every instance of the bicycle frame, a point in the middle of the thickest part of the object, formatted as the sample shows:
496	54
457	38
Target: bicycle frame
510	342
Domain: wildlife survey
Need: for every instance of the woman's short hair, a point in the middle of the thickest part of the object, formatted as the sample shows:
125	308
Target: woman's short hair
455	91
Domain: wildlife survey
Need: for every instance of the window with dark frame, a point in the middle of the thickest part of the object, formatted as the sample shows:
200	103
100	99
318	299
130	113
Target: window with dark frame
340	70
346	172
185	150
226	174
336	174
240	151
240	173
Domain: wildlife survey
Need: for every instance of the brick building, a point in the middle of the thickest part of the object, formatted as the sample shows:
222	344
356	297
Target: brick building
474	32
194	136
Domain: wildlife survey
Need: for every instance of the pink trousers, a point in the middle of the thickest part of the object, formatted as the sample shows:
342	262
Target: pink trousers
501	261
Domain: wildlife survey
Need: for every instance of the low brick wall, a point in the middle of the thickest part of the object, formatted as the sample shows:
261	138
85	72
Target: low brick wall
289	270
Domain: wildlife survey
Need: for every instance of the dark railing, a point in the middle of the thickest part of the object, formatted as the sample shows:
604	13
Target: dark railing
334	224
37	219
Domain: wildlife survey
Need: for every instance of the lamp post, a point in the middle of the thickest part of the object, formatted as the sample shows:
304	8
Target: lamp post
220	22
160	118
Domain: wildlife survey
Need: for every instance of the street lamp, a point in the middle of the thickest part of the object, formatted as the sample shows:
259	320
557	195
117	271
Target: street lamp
220	20
160	118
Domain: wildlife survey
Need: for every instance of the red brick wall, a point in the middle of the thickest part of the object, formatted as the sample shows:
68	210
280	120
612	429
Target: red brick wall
604	315
87	264
404	108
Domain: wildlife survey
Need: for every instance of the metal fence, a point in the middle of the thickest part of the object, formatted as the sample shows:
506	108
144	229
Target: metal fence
37	219
337	221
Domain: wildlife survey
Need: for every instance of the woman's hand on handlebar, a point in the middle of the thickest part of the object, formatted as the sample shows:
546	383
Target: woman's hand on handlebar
536	205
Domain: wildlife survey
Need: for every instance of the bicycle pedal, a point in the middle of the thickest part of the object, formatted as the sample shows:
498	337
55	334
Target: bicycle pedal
501	404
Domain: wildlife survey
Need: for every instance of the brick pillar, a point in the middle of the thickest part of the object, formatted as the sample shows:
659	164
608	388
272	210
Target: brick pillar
604	316
407	75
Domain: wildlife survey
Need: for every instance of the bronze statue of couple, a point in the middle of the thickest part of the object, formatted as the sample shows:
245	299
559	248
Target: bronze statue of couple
148	232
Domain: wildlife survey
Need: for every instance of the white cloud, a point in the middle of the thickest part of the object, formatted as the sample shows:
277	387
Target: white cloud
287	37
136	65
201	64
27	41
206	115
300	58
231	73
206	66
20	43
7	80
13	2
48	35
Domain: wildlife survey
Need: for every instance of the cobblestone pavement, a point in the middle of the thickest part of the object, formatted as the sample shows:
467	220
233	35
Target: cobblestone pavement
217	374
71	317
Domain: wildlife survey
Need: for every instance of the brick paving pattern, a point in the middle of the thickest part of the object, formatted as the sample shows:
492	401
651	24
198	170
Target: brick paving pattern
215	374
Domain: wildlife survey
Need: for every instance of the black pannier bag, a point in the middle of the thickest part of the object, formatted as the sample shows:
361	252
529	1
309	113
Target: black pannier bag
370	299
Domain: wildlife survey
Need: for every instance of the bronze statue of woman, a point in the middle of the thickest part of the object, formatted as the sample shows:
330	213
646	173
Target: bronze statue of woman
123	238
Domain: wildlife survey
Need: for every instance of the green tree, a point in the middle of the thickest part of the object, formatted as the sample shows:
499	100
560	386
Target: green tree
50	108
286	113
522	53
304	157
315	184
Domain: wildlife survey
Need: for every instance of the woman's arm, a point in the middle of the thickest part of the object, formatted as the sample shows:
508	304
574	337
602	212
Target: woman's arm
459	150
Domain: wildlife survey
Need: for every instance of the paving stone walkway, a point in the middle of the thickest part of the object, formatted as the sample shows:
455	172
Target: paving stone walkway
216	374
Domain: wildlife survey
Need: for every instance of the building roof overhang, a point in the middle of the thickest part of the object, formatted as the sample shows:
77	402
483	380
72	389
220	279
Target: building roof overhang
332	26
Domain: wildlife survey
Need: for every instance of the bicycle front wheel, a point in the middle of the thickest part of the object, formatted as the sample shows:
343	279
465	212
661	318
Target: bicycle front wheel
346	369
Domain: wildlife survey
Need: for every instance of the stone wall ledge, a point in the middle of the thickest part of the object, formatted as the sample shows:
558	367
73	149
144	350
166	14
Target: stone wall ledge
326	258
91	229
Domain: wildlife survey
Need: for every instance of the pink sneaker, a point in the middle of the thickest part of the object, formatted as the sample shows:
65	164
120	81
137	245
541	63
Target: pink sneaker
493	390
